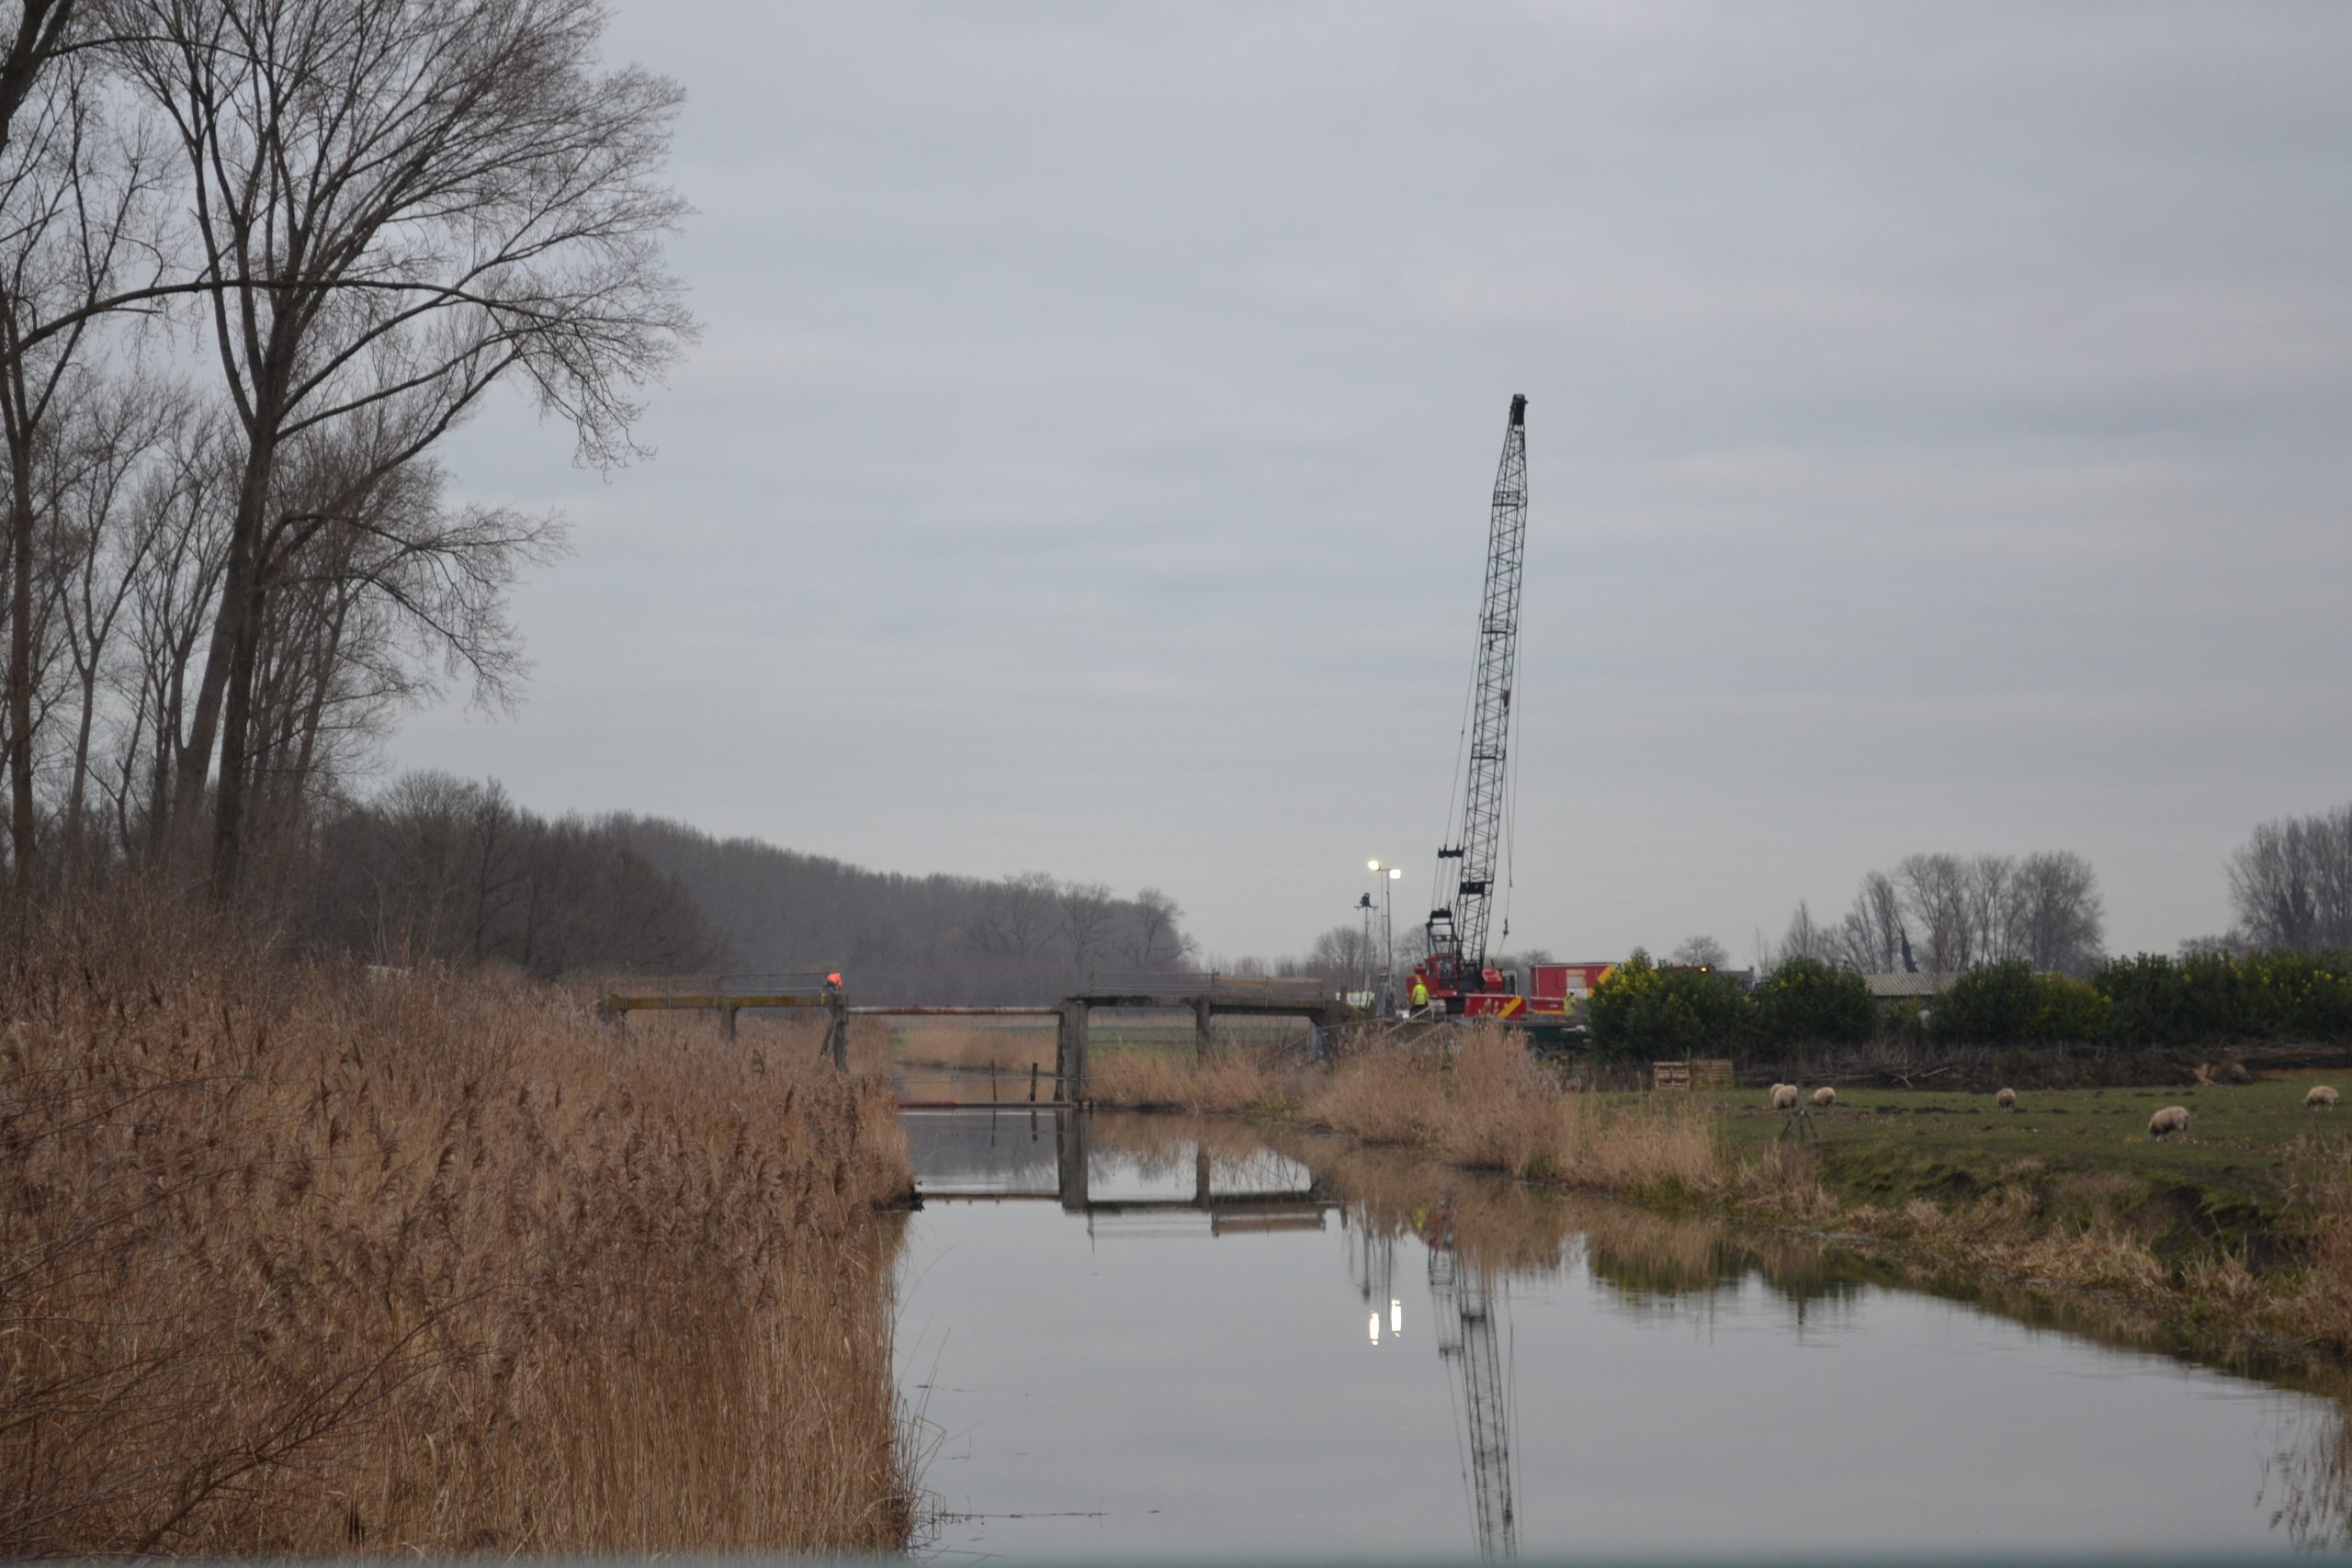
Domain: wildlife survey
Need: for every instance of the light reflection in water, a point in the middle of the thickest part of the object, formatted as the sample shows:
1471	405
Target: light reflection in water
1604	1379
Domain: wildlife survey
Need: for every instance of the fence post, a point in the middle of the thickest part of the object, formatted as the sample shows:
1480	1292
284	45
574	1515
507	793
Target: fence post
1201	1036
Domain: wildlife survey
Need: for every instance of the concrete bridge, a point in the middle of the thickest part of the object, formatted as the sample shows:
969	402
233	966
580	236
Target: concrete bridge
1206	994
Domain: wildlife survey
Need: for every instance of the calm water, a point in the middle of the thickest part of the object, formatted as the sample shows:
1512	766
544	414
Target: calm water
1162	1340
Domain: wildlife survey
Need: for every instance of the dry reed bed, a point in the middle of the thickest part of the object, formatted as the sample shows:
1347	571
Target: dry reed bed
1473	1097
295	1263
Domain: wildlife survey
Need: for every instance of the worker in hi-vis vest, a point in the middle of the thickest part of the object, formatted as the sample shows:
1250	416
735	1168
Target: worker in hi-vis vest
1420	996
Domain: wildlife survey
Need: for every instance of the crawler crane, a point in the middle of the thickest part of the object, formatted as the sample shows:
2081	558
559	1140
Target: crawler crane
1455	971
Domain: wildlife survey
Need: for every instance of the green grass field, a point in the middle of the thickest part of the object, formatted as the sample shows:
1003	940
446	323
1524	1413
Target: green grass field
2232	1179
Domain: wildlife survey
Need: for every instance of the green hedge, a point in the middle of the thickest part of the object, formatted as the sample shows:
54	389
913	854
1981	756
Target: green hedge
2155	1001
1643	1009
2008	1004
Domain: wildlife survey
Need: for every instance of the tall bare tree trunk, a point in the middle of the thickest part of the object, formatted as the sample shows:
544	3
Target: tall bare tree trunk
23	846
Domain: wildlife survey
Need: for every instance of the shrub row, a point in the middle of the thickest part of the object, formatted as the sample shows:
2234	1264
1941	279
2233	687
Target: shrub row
1641	1009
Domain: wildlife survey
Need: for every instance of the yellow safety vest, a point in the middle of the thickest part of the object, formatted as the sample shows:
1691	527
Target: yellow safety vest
1420	994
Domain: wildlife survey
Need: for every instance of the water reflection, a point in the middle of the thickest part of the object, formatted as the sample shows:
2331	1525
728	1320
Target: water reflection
1615	1380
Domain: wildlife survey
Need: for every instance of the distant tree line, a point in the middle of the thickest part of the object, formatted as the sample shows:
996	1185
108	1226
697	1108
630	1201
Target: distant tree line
439	869
1028	938
1941	914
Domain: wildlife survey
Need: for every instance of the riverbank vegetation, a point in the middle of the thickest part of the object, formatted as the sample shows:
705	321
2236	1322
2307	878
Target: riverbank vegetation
2135	1010
2242	1226
303	1260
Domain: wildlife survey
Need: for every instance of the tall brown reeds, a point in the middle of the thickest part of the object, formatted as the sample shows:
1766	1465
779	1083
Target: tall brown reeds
1228	1081
1471	1095
296	1261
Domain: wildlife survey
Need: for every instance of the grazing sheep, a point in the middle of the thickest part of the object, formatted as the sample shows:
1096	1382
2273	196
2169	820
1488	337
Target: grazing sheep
1784	1097
2321	1098
1825	1097
2171	1119
2006	1100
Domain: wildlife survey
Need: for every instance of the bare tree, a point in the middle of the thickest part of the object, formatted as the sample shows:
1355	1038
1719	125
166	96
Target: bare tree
1155	935
1343	956
104	542
1704	952
2058	918
1869	938
1805	938
1987	897
396	202
2291	882
1935	900
185	501
1017	918
1083	912
76	187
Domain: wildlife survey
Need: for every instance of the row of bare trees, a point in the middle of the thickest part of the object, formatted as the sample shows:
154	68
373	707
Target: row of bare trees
1945	913
439	869
257	257
913	939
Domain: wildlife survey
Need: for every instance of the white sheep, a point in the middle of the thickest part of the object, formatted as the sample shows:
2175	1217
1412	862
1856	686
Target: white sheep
1784	1097
1825	1097
2321	1098
2171	1119
2006	1100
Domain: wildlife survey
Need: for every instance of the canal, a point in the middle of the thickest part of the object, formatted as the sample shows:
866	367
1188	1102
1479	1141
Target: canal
1149	1337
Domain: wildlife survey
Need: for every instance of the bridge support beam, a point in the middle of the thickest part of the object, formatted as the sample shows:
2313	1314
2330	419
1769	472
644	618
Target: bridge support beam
1069	1051
836	1032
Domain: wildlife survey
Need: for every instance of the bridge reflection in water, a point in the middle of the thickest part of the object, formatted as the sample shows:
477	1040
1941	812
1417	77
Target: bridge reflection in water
1146	1186
1042	1157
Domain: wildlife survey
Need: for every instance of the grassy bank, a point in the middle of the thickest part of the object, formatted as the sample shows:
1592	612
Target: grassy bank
299	1261
2242	1226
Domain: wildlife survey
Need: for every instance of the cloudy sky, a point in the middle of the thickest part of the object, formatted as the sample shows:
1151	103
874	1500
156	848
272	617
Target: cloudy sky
1939	437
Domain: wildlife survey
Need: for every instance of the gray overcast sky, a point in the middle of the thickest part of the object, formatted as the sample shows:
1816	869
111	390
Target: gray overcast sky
1936	440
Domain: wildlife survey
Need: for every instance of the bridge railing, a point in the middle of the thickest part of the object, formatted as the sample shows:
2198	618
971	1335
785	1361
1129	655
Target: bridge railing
779	983
1204	983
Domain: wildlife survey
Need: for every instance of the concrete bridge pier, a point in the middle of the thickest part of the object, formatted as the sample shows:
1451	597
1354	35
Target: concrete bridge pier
1069	1051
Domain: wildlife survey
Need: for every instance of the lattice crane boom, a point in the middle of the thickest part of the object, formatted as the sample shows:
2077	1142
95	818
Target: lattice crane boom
1458	931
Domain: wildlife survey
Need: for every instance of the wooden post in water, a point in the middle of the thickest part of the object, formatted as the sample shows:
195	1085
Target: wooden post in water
1202	1037
1032	1083
1070	1051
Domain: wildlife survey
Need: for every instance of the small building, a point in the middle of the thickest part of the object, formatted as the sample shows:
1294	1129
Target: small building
1899	986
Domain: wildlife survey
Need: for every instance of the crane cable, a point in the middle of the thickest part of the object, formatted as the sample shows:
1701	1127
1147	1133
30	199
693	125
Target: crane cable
1456	790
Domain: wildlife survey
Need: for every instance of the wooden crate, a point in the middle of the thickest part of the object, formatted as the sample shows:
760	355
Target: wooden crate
1710	1075
1669	1075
